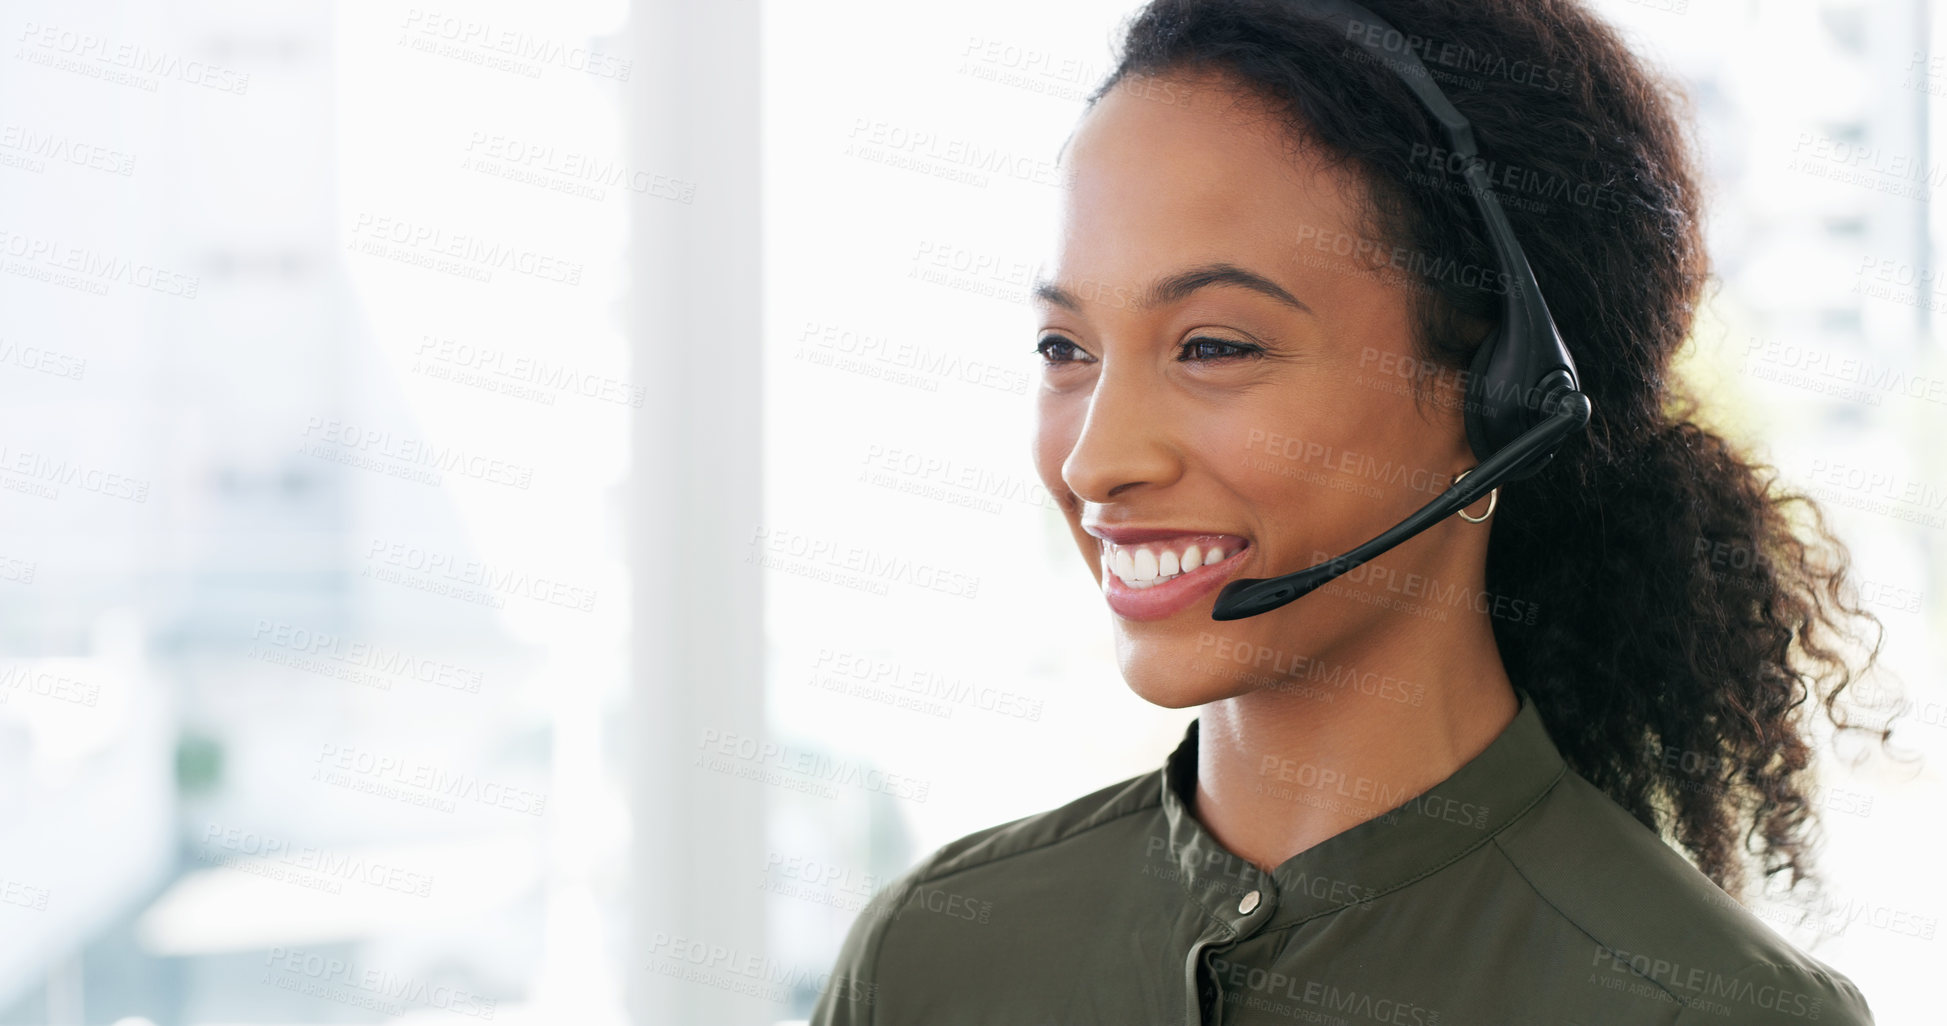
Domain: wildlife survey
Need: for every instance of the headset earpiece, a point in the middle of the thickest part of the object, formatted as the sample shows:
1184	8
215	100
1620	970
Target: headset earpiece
1479	395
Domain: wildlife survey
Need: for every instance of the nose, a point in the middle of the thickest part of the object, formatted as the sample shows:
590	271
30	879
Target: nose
1126	438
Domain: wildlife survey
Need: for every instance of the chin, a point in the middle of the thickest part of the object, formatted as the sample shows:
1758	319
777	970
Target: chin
1176	680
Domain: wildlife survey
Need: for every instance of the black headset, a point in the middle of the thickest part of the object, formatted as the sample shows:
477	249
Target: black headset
1523	396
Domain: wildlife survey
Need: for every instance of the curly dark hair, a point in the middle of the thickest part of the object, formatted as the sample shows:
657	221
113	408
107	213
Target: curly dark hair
1685	617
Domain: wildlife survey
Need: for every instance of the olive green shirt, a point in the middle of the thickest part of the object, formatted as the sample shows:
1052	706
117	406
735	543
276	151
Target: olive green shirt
1513	892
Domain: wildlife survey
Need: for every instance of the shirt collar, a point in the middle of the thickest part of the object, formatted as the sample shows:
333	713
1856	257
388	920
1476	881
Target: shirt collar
1362	864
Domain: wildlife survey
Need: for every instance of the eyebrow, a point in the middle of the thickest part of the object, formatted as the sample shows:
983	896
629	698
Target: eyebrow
1180	285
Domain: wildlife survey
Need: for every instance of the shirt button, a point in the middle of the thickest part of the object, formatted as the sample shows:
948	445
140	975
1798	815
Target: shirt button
1250	902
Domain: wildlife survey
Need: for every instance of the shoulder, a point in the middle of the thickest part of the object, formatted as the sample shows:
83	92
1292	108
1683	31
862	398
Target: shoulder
1042	830
965	878
1652	919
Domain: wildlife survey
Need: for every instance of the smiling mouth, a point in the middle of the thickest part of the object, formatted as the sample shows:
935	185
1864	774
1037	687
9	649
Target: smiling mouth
1140	565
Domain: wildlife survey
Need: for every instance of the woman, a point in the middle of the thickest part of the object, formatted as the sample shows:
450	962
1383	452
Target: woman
1435	790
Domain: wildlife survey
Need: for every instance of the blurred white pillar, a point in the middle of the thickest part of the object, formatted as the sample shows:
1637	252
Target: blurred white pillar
695	303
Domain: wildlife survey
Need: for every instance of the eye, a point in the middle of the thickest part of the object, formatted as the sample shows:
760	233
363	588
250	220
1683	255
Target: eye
1052	344
1237	349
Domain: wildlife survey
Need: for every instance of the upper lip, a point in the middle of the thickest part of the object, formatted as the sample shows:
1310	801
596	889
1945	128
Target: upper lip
1125	535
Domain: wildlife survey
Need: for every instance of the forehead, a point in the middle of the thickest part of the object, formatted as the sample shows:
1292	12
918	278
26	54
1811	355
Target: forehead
1156	180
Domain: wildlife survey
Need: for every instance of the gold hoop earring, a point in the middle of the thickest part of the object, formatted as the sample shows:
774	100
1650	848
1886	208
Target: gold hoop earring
1493	497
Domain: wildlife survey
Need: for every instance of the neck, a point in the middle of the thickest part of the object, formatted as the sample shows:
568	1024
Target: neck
1279	770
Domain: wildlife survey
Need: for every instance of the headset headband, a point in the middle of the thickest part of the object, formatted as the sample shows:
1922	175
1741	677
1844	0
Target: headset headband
1517	366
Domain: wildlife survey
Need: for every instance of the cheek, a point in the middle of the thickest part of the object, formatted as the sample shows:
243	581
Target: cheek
1245	444
1300	464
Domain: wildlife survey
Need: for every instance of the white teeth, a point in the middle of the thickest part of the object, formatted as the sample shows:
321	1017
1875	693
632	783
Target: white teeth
1146	567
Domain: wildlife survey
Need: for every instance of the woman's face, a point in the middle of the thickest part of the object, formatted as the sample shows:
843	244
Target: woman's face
1227	365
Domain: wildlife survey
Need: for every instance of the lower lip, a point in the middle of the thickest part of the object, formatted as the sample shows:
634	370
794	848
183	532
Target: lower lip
1159	601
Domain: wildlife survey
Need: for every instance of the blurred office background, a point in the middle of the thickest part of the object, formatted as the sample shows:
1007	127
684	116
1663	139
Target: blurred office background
523	512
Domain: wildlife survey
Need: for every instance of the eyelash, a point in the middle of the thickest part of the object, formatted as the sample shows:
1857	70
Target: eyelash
1243	349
